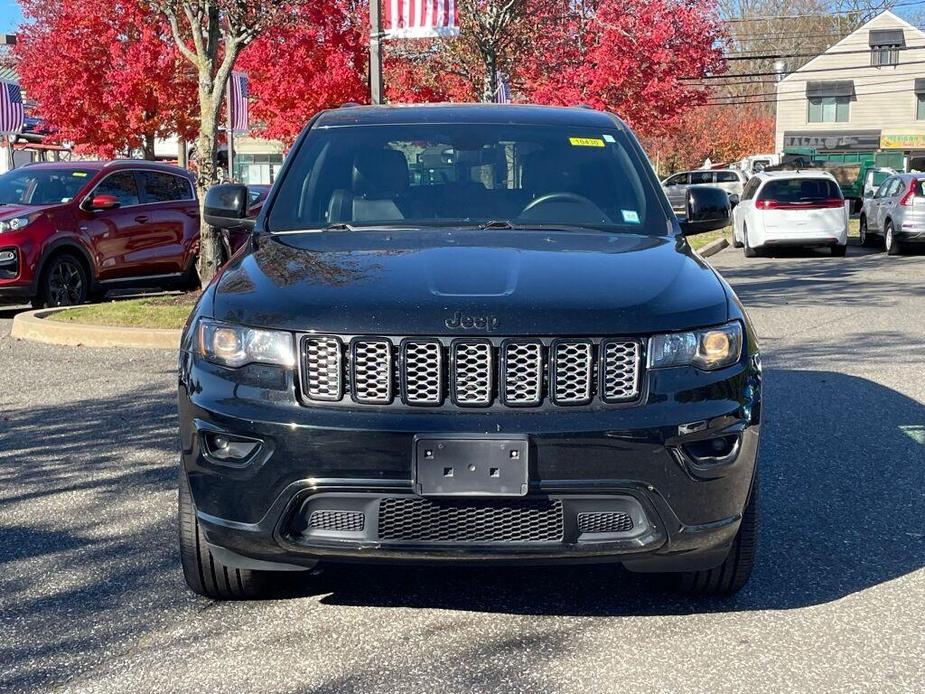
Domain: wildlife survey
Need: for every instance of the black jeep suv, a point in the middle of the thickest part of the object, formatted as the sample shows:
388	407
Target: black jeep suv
467	333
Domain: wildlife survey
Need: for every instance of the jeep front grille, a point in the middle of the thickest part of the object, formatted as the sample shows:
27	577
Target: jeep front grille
469	372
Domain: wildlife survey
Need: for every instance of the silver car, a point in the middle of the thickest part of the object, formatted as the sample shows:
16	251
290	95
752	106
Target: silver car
676	185
894	215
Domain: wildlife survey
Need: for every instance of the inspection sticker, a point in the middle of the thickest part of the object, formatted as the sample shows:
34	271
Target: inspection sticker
586	142
630	216
609	138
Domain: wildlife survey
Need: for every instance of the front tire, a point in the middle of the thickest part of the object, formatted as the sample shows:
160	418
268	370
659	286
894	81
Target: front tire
839	251
735	239
205	574
63	283
866	238
730	576
889	240
749	251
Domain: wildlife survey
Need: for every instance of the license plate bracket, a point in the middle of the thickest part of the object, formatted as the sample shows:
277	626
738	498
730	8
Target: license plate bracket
471	465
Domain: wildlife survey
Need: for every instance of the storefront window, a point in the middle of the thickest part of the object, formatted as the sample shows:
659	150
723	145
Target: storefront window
257	168
828	109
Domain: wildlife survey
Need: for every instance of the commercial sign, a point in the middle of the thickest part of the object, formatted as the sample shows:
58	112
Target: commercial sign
902	141
837	140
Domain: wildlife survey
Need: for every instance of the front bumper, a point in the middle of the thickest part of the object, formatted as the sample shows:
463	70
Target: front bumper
638	461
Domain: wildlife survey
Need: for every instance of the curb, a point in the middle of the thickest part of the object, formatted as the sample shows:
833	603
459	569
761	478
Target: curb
713	248
31	325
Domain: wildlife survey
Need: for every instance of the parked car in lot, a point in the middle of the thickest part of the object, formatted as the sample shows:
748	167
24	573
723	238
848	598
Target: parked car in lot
895	214
520	360
70	231
791	208
676	185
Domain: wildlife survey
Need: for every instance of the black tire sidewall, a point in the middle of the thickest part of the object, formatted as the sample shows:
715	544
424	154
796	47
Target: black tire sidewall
45	297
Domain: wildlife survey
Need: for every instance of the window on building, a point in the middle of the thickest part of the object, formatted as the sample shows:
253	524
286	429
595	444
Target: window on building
885	45
828	109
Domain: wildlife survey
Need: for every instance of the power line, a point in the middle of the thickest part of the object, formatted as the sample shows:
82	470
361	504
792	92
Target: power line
802	70
861	11
772	56
898	80
745	100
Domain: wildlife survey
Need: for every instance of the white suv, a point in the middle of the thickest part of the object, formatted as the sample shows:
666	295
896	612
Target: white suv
791	208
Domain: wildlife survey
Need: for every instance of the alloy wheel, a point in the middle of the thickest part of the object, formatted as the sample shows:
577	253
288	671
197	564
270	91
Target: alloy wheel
65	284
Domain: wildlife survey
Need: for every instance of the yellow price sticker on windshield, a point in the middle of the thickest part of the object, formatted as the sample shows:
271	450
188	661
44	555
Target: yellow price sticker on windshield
586	142
79	174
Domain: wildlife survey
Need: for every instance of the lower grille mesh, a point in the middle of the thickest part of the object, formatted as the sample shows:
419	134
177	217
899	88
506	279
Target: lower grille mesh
353	521
605	522
423	520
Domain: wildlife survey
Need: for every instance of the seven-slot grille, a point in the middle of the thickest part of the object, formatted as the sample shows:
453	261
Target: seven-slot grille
470	372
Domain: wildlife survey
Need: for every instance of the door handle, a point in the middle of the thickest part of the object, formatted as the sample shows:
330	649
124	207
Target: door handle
141	219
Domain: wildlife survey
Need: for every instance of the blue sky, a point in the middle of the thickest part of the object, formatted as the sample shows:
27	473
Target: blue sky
10	16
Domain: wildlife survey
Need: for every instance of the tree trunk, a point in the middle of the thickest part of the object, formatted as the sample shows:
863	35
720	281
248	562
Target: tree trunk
210	244
149	146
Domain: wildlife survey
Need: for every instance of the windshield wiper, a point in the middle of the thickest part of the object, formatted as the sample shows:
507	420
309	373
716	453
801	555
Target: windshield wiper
496	224
339	226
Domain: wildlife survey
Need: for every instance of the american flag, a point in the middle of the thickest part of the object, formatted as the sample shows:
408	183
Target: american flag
238	103
416	19
503	92
12	115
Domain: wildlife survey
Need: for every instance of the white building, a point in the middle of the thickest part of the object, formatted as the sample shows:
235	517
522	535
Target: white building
865	94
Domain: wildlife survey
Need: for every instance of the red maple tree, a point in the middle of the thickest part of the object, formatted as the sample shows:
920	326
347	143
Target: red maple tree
315	61
102	76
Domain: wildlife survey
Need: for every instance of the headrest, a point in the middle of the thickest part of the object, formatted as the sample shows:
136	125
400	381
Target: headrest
380	173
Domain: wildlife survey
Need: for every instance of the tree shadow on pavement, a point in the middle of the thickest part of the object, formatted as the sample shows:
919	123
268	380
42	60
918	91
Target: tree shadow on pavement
843	511
87	536
765	283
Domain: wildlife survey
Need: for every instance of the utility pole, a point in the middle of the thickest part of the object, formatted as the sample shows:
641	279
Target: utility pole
376	95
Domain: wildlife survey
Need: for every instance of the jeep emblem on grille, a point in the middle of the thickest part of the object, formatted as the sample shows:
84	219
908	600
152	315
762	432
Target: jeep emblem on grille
466	322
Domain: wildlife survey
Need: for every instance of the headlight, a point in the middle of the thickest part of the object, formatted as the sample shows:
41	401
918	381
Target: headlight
708	349
236	345
16	223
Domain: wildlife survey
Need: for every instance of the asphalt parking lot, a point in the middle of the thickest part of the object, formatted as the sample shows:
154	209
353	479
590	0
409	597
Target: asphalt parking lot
92	599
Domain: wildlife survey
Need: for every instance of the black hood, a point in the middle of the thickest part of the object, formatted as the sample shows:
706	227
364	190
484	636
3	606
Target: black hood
470	282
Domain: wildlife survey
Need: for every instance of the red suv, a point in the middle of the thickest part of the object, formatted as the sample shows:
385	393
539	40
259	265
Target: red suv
69	231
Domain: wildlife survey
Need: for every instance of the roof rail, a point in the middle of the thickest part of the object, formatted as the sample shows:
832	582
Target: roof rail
349	104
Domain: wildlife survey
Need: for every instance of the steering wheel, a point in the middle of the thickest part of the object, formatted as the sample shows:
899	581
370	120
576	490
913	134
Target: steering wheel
556	197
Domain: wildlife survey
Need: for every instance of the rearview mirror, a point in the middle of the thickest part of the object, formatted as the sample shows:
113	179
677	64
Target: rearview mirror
708	209
102	202
226	206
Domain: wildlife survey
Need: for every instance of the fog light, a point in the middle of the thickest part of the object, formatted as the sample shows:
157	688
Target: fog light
228	448
710	450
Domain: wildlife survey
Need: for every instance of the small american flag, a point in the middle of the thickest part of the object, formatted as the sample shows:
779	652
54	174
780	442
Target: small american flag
503	92
416	19
12	115
238	103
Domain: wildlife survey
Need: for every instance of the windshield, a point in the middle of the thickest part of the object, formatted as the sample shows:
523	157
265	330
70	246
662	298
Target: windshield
30	186
467	174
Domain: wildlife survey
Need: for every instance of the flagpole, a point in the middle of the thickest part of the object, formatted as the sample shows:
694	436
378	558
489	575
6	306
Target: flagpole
376	95
229	131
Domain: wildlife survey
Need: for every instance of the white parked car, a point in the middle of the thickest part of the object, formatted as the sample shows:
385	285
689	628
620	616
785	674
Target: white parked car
791	208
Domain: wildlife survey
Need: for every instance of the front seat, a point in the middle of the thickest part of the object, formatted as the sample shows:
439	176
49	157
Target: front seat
380	178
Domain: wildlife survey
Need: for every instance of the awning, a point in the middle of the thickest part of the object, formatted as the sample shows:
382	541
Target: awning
830	88
887	37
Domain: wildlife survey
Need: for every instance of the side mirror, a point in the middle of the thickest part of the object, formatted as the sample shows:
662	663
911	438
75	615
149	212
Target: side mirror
707	210
868	193
225	206
101	202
